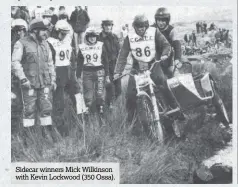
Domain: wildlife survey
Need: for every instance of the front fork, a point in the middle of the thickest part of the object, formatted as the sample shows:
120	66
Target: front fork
154	103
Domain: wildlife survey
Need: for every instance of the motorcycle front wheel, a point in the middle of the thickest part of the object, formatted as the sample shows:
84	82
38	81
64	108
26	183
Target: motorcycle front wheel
152	128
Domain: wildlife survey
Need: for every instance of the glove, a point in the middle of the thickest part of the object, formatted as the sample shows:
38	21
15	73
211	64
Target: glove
164	57
108	80
116	76
53	86
25	83
178	64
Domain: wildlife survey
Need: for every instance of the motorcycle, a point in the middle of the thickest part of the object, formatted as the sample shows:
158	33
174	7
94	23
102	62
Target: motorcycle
189	92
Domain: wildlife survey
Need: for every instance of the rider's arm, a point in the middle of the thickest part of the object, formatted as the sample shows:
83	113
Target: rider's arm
176	44
163	47
16	61
80	61
122	57
105	60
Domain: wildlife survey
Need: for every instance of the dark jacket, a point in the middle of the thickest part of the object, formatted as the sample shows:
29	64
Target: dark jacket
112	46
79	20
54	19
172	36
20	14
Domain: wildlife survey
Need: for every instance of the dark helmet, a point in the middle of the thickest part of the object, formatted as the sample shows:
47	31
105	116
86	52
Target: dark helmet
107	22
162	13
140	21
37	24
90	32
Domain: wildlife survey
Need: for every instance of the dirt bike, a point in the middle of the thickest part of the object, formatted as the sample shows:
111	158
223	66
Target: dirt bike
189	92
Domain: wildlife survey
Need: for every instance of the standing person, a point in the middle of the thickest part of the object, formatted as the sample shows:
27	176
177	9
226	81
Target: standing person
17	13
79	20
205	27
187	38
62	10
93	64
32	64
37	13
162	20
112	46
65	67
54	17
197	27
194	39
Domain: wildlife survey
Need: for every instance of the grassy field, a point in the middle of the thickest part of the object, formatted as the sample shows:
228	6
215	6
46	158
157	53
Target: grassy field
141	161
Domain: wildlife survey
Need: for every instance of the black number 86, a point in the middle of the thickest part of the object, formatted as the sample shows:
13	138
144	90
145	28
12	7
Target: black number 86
146	51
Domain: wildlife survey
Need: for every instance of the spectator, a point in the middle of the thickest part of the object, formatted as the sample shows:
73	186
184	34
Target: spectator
37	13
64	16
205	27
62	10
197	27
112	46
54	17
17	13
194	39
79	20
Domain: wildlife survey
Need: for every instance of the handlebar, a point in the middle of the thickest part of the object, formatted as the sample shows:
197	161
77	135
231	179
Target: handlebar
158	61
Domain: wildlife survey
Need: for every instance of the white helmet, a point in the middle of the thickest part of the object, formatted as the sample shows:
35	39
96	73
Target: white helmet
19	23
62	26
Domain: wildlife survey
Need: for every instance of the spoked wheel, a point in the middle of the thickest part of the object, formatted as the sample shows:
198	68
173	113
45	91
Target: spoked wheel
152	128
220	109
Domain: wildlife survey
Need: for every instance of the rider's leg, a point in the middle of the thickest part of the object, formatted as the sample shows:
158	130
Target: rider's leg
160	80
88	87
131	98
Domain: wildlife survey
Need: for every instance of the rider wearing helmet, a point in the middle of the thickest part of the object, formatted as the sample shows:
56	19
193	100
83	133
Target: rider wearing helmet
65	67
93	61
146	45
18	31
112	46
162	19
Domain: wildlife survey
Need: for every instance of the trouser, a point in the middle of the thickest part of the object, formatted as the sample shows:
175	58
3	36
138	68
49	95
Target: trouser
78	39
113	90
67	82
159	78
16	98
93	87
36	99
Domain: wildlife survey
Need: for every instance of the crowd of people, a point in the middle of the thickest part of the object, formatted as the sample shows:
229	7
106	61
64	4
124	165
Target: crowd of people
53	54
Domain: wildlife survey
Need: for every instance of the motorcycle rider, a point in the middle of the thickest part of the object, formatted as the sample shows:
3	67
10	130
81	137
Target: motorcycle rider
111	43
162	19
32	64
147	45
65	67
93	64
